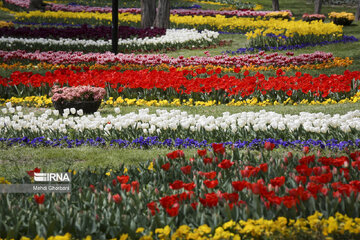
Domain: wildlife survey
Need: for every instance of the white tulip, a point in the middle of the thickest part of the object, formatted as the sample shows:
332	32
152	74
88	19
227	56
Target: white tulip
8	104
4	110
80	112
66	111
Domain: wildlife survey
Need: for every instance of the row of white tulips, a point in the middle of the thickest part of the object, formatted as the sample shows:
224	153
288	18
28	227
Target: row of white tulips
175	121
172	36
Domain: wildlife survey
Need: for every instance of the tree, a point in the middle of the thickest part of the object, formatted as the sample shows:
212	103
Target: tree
148	13
357	15
162	19
37	5
275	5
152	16
317	8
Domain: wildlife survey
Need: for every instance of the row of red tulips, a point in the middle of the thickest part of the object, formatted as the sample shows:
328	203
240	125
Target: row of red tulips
199	84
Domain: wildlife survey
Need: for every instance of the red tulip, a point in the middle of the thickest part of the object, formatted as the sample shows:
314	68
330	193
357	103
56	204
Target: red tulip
210	200
114	182
166	166
207	160
278	181
306	160
186	170
31	172
231	197
211	184
306	149
123	179
175	154
168	201
264	167
225	164
39	199
135	186
218	148
152	206
173	211
355	156
126	187
239	185
269	146
201	153
299	179
117	198
176	185
189	186
300	192
289	201
194	205
208	175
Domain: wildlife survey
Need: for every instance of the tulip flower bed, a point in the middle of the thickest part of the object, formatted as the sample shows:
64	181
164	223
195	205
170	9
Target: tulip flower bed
174	39
326	64
270	41
83	32
260	59
222	194
96	6
176	124
291	45
5	24
19	3
44	102
217	23
180	12
199	85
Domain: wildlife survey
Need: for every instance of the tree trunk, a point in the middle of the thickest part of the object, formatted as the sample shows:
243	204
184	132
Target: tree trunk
317	9
37	5
148	13
162	19
357	15
275	5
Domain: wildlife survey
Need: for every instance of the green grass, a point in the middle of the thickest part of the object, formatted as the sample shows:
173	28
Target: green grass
218	110
18	160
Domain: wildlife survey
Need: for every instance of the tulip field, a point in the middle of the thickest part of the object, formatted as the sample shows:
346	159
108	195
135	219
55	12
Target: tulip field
237	122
